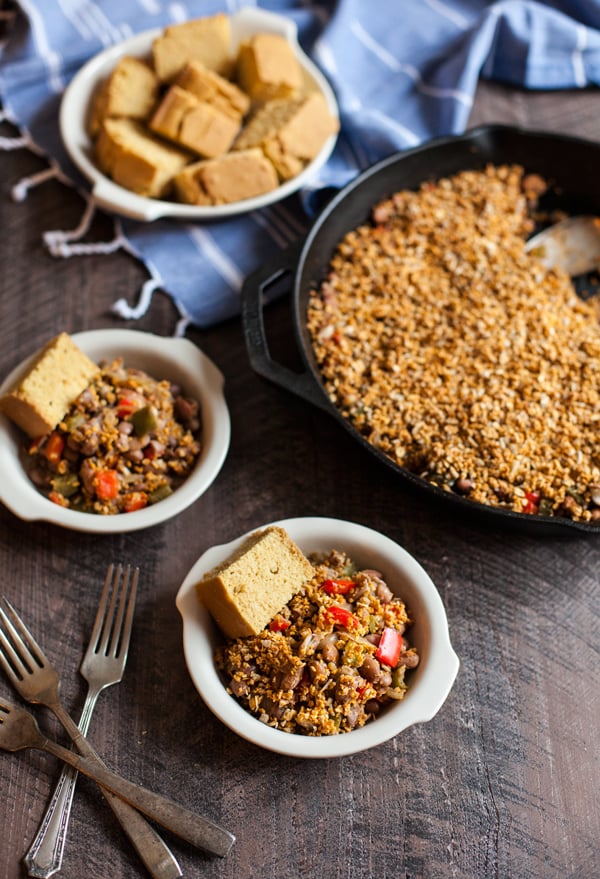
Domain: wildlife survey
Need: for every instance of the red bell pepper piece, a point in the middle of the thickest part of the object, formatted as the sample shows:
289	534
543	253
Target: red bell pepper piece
34	445
531	502
106	483
59	499
279	624
389	647
342	617
135	500
125	406
53	447
337	587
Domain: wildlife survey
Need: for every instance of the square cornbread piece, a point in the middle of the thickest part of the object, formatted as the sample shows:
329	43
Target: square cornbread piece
207	40
136	159
203	128
290	133
267	68
131	90
229	178
213	89
40	400
245	592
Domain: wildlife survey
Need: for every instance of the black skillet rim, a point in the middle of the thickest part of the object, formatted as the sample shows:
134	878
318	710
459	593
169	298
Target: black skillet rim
479	138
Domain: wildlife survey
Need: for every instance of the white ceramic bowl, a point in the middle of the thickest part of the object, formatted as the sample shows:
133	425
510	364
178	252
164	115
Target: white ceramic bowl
429	684
178	360
75	109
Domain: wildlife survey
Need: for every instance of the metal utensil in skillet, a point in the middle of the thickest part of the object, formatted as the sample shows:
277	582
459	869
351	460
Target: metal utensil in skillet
572	244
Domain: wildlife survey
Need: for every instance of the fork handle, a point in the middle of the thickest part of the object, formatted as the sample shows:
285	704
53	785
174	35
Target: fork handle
194	828
45	854
44	857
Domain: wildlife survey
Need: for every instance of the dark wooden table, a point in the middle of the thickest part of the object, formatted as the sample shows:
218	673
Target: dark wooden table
502	783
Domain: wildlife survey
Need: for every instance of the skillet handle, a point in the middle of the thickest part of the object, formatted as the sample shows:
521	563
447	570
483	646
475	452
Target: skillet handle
254	298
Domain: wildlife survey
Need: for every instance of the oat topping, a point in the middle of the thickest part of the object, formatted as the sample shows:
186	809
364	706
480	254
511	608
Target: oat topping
458	354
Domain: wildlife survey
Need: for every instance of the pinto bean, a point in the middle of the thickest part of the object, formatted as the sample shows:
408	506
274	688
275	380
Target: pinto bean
238	688
135	455
384	593
318	670
330	653
292	678
352	715
273	709
373	707
90	445
370	669
409	660
87	474
185	410
385	678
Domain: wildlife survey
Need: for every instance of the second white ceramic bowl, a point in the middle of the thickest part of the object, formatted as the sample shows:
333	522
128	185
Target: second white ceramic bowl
178	360
428	685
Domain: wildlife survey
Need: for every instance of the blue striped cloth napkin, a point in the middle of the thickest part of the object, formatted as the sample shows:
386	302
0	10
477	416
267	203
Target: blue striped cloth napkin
403	71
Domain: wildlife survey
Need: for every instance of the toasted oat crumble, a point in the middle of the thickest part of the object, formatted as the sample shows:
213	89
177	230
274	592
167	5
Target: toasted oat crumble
458	354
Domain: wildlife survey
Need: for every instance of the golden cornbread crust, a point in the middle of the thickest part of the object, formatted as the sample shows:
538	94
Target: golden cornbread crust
206	40
199	126
131	90
42	397
246	591
135	158
230	178
290	133
214	89
267	68
459	355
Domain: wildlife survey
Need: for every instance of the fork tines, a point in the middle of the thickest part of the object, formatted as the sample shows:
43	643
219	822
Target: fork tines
14	632
107	637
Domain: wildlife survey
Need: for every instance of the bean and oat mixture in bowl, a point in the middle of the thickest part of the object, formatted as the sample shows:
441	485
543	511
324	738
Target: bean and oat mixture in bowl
458	354
331	659
126	442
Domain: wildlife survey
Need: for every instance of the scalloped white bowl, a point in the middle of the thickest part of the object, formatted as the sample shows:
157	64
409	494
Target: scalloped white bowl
429	684
178	360
74	112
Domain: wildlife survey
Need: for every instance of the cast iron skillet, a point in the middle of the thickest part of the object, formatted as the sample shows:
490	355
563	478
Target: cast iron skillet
570	164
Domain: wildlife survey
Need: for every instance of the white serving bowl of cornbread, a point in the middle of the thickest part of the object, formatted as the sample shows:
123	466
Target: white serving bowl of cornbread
200	120
61	369
429	683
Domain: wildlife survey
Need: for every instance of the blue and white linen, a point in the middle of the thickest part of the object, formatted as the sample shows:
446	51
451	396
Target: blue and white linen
403	71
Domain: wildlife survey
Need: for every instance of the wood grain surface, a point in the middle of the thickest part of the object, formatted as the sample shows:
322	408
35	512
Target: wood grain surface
502	783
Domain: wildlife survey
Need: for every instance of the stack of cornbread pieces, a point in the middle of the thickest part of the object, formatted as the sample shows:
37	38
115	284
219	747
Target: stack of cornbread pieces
203	125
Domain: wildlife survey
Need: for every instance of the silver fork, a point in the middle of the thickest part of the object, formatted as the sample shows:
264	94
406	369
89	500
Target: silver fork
19	730
37	681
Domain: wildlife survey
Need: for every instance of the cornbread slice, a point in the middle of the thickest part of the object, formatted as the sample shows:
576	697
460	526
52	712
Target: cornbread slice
41	398
267	68
245	592
290	133
207	40
168	118
199	126
136	159
213	89
130	90
229	178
